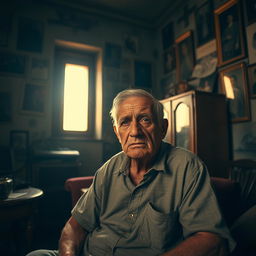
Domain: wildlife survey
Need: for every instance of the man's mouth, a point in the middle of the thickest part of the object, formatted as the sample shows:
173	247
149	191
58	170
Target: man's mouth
137	144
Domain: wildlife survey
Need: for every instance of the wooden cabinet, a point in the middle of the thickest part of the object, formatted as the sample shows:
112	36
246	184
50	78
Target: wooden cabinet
198	121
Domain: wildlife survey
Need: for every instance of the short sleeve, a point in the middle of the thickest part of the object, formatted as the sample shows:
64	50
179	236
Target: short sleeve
199	210
87	209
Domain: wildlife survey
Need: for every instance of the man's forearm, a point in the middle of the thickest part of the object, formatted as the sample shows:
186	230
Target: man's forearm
72	238
200	244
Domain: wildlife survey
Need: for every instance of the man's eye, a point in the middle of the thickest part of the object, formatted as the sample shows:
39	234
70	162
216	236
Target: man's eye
124	122
146	120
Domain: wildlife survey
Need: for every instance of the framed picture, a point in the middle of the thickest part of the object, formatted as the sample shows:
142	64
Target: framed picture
131	43
229	32
167	35
34	99
5	107
204	23
252	80
251	42
19	142
12	63
250	7
142	75
169	59
5	29
244	136
234	86
39	69
185	56
113	54
30	35
168	85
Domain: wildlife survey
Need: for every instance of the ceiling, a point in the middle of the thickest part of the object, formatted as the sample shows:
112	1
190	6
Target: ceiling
146	12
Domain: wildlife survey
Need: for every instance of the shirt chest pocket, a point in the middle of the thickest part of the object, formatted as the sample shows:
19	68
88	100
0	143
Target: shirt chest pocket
162	229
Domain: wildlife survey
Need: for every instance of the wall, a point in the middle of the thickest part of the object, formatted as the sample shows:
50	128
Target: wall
183	18
68	24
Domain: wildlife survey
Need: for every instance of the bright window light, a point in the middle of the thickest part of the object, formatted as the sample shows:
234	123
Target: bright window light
75	113
229	87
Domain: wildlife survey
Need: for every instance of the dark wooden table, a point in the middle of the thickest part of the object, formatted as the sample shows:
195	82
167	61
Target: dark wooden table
17	215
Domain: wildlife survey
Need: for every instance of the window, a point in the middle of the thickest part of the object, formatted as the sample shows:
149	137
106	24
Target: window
74	93
76	98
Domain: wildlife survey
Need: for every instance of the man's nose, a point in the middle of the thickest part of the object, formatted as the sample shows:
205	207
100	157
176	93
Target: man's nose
135	129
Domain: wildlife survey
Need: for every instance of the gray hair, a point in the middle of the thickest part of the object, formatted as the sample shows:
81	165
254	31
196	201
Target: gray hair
123	95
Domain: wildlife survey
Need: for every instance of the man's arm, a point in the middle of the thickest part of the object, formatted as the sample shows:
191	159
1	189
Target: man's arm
72	238
200	244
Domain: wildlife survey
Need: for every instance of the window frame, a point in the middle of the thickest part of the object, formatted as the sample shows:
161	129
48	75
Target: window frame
72	56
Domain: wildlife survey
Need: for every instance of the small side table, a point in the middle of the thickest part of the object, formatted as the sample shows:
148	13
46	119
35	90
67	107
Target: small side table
19	207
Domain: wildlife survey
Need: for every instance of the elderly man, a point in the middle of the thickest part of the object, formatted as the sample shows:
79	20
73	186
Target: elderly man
150	199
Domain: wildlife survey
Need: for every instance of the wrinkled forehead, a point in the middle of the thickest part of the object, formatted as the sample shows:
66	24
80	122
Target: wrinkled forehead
134	103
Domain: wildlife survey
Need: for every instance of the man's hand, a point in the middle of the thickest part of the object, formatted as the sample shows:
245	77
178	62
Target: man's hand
72	238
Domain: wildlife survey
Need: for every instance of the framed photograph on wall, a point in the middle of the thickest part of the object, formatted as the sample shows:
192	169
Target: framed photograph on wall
169	59
30	35
113	55
185	56
251	42
204	23
5	29
252	80
250	7
234	86
5	107
12	63
131	43
229	32
142	75
19	142
167	35
34	99
39	69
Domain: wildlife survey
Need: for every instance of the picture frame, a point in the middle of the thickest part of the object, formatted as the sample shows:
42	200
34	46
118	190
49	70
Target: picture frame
233	81
167	35
185	56
251	42
19	143
229	32
10	63
142	75
5	106
5	29
39	69
252	80
113	55
169	60
34	99
30	35
204	23
168	85
250	7
131	43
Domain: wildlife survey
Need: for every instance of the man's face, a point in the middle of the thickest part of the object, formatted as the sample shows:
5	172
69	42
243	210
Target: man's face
137	130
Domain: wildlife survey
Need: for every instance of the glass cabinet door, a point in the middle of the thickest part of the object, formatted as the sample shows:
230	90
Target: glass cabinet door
182	126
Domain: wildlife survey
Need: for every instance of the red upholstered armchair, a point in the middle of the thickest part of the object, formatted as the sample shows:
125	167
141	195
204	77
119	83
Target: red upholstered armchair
75	185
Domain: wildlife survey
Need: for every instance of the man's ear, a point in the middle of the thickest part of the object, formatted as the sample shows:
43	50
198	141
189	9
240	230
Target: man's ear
116	132
164	127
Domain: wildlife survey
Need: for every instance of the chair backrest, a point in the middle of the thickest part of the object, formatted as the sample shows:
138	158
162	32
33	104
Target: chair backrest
75	185
243	171
228	195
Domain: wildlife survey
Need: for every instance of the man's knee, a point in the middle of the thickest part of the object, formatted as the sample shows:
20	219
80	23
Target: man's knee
43	253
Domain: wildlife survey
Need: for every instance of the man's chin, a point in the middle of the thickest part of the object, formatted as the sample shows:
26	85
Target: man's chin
137	154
